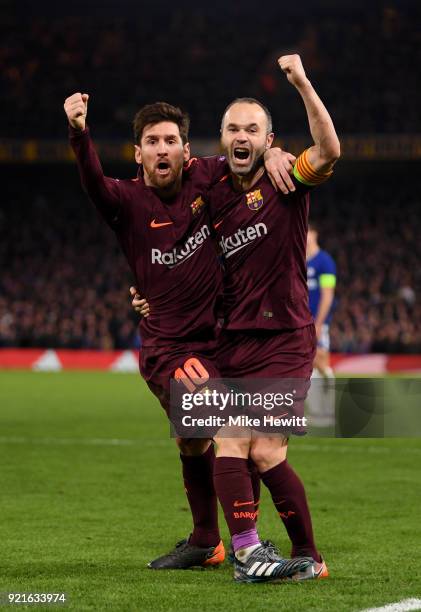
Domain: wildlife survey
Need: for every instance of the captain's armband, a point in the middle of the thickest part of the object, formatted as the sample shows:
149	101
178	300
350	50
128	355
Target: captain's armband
327	281
306	174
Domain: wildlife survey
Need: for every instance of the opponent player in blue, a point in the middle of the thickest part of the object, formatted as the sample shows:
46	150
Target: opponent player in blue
321	279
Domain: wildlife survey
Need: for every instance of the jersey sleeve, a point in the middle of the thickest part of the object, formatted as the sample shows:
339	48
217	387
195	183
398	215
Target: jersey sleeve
327	273
216	168
102	190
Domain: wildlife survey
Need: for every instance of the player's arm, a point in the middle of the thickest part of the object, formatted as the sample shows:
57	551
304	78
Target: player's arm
279	166
139	304
103	191
327	293
316	162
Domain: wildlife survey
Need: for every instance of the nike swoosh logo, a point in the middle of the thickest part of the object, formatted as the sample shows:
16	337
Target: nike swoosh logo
286	515
237	504
154	224
217	224
317	574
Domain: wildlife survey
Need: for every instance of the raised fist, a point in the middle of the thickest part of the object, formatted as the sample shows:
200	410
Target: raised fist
293	68
76	109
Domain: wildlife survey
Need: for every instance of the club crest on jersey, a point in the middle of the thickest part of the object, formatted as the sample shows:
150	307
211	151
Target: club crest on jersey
197	205
254	199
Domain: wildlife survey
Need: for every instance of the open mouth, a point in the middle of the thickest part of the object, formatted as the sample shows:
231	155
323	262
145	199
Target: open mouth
163	167
241	154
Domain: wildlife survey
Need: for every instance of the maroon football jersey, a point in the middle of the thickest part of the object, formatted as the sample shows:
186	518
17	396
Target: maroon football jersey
262	235
167	244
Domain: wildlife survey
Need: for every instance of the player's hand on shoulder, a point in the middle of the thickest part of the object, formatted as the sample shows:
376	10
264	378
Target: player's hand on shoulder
76	109
292	66
139	304
279	165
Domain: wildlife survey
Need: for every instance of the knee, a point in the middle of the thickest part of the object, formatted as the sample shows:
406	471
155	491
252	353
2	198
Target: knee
193	447
233	447
268	452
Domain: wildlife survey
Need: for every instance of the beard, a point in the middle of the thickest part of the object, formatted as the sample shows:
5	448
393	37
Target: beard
163	175
254	161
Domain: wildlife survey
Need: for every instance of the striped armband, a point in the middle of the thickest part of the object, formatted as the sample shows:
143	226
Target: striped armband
306	174
327	281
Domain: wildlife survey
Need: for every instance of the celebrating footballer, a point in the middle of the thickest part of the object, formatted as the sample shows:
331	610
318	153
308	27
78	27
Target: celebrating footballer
167	221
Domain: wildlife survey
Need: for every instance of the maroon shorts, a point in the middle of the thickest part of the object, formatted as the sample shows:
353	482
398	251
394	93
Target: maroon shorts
267	354
286	358
188	363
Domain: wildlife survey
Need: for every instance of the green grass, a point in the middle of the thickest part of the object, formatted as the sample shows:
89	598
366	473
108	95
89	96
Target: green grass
81	515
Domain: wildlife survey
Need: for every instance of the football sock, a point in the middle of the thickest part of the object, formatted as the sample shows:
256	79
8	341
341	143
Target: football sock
321	398
255	483
328	373
198	483
315	394
244	543
289	497
233	486
329	393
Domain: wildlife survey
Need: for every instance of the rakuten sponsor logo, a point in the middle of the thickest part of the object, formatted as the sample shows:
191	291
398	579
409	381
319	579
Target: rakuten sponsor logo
242	238
179	255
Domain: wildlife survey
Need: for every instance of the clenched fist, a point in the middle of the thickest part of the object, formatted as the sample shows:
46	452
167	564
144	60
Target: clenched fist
293	68
76	109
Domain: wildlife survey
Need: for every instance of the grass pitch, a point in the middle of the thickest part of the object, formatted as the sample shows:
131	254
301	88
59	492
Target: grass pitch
90	491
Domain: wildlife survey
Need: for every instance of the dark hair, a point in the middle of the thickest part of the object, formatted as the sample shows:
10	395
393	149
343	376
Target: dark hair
151	114
249	101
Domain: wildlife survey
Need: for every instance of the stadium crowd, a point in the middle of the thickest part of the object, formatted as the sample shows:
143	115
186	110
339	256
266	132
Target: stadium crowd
64	283
203	57
63	280
370	225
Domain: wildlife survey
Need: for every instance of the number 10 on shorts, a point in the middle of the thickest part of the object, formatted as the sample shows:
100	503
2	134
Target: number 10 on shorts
193	374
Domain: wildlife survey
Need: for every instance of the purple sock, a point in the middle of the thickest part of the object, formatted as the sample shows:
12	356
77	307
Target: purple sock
245	539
